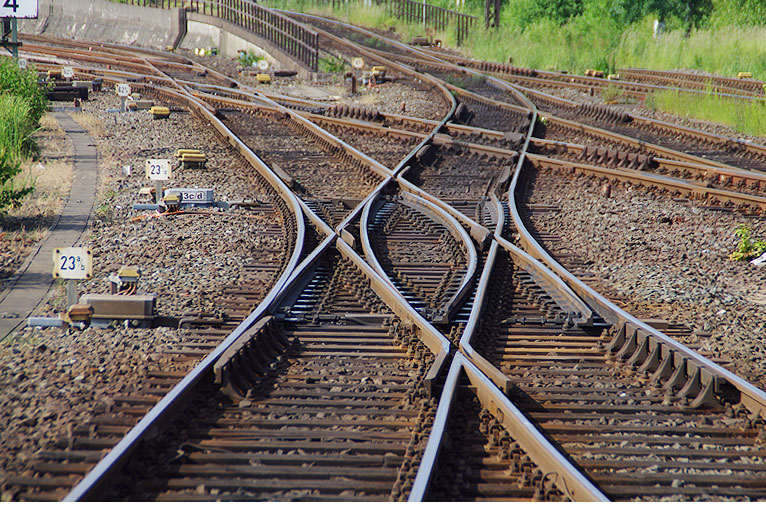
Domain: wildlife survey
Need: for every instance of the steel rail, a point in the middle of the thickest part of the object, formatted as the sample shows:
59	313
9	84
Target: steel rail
502	381
479	233
566	476
716	139
95	44
458	232
748	86
580	82
433	339
713	138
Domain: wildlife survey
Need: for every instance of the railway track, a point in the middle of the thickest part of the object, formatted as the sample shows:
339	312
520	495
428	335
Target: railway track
700	82
564	118
336	409
328	389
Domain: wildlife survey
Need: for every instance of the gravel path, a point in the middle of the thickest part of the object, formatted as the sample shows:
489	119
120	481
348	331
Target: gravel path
53	379
666	258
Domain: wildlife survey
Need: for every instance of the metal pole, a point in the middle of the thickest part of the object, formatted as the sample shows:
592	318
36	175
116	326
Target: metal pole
71	293
15	38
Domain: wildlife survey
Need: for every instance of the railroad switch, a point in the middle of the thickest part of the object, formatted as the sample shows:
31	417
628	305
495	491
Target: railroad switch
263	78
125	280
594	73
159	113
745	75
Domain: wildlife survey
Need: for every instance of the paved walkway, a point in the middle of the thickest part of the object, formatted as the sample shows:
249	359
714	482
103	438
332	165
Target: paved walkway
22	296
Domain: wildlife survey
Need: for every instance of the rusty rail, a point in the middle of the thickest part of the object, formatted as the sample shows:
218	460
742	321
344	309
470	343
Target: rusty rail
296	39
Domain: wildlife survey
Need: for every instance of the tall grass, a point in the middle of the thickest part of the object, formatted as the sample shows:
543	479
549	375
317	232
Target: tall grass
721	50
22	104
745	117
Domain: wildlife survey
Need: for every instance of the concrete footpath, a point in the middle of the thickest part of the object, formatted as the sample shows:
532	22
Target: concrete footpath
34	278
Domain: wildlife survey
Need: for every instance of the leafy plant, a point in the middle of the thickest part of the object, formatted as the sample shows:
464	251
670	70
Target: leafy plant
332	64
747	249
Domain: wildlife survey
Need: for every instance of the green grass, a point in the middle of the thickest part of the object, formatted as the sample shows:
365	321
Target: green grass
747	118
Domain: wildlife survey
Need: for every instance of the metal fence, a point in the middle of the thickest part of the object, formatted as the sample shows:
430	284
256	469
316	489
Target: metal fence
416	12
431	16
294	38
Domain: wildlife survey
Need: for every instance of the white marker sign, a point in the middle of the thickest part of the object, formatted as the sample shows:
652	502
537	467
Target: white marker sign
23	64
18	8
72	263
67	72
123	90
263	65
358	63
158	169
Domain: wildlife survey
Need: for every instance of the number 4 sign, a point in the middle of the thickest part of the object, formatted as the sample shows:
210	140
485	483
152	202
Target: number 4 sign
18	8
72	263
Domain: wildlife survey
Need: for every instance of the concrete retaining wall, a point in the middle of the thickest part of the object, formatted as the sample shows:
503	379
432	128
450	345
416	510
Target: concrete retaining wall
102	21
147	27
